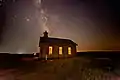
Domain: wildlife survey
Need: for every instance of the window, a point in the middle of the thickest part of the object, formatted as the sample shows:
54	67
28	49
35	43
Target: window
50	50
60	50
69	50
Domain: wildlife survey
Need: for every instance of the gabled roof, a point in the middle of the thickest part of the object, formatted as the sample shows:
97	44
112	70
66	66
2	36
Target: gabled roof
56	41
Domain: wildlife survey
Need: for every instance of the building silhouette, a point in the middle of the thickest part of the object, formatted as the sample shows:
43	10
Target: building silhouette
56	47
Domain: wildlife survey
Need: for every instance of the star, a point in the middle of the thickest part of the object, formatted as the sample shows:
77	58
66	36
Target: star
27	19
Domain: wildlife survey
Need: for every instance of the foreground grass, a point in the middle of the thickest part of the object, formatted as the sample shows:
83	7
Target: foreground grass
62	69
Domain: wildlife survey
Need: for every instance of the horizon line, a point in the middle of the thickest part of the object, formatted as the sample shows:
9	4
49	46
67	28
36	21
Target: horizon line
98	50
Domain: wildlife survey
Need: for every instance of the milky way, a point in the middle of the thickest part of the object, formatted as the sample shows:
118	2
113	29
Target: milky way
23	28
88	23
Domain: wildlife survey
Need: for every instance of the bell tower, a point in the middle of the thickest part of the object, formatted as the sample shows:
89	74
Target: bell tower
45	34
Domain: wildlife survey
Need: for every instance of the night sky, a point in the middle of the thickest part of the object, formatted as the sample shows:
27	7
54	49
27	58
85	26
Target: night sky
92	24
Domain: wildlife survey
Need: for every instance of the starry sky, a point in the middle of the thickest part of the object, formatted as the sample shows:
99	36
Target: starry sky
92	24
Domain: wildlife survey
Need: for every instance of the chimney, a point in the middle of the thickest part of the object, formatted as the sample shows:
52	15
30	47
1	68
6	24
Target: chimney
45	34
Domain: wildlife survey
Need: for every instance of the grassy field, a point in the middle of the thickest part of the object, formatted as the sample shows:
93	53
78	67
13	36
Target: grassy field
78	68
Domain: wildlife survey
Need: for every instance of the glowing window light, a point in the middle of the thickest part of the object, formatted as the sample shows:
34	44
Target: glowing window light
50	50
69	50
60	50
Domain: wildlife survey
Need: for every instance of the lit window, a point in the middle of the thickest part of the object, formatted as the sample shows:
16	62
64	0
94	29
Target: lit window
50	50
60	50
69	50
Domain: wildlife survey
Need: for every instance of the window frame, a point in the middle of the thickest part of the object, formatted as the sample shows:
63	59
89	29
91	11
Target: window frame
60	50
50	50
69	50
